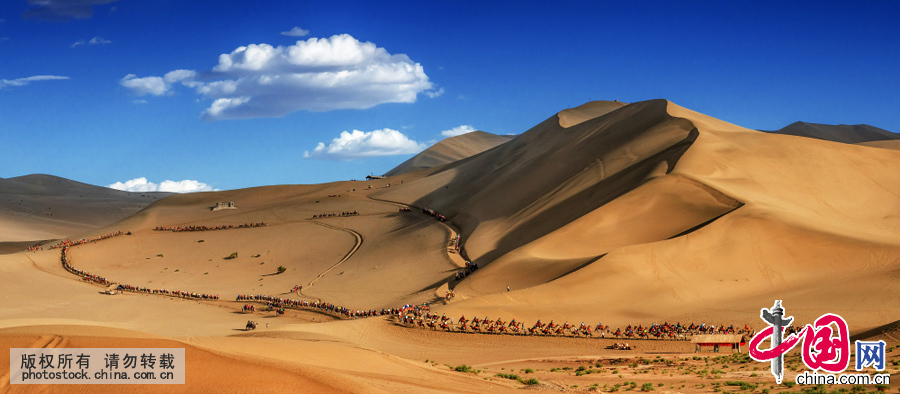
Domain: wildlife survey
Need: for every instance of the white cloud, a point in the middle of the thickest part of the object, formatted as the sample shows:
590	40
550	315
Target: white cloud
93	41
25	81
318	74
434	93
295	32
142	185
360	144
179	76
158	86
458	130
140	101
155	86
99	41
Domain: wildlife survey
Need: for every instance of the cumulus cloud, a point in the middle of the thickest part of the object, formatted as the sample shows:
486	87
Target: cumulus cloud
179	76
318	74
361	144
155	86
458	130
158	86
61	10
142	185
25	81
295	32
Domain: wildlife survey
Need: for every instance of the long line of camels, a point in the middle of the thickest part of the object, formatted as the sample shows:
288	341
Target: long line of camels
412	315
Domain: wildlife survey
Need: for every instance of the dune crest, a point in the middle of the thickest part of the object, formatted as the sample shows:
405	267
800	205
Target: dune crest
450	150
587	111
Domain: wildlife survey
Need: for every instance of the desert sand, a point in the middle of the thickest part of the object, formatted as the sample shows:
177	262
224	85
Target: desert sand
622	214
43	207
450	150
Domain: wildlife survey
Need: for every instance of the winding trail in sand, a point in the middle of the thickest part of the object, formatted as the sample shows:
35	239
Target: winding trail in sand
359	241
458	259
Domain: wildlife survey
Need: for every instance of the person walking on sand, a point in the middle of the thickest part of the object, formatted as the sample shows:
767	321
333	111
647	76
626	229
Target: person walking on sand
507	288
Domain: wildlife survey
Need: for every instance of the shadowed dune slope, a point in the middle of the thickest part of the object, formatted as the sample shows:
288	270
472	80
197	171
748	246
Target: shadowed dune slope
450	150
683	211
551	176
848	134
40	207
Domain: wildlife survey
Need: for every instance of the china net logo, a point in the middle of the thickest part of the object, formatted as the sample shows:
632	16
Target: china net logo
826	348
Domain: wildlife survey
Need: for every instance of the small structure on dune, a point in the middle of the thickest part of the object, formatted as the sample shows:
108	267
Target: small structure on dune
717	340
223	205
373	177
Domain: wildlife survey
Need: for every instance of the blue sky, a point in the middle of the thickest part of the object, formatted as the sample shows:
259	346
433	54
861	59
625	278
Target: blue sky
228	94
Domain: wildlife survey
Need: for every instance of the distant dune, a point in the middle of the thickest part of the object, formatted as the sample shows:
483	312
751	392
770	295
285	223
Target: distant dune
886	144
40	207
848	134
450	150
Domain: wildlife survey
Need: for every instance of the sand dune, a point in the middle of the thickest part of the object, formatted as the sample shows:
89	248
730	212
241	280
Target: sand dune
450	150
587	111
41	207
848	134
638	213
885	144
812	210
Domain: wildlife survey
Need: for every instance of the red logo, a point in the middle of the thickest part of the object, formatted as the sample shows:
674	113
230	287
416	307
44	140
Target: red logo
826	343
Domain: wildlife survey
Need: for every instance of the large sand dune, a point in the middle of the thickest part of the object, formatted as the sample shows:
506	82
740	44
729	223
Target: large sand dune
607	212
450	150
640	203
42	207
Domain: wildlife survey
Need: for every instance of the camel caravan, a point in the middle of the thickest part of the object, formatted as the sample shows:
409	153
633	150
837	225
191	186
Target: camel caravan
462	273
89	277
67	243
180	229
412	315
276	303
335	215
432	213
665	331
